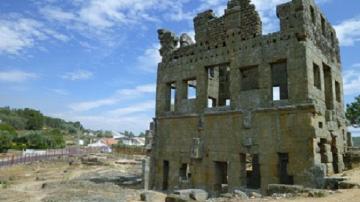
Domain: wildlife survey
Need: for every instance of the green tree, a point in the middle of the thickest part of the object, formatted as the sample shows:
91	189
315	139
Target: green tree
353	112
8	128
35	120
37	141
55	139
5	141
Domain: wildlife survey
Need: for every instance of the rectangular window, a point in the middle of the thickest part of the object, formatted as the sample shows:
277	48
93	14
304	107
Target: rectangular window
322	147
317	76
323	25
321	125
249	78
218	85
279	81
191	89
328	81
312	11
276	93
338	91
171	97
184	172
211	72
211	102
227	102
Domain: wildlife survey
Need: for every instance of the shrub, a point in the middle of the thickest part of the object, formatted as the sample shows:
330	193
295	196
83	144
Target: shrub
5	141
8	128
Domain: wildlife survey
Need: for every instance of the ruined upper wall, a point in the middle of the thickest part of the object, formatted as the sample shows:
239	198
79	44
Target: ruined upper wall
305	19
240	17
241	24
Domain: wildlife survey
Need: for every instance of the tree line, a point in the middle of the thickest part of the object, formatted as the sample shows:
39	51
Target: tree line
30	119
29	128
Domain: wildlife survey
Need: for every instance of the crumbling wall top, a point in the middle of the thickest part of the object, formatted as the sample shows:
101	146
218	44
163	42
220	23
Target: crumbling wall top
241	23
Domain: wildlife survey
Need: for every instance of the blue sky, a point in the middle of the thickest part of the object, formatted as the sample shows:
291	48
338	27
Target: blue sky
95	60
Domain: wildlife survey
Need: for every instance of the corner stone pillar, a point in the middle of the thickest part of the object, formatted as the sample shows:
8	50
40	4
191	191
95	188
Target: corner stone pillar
146	172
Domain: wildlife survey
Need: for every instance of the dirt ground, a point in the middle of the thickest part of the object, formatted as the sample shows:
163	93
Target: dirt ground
60	182
115	180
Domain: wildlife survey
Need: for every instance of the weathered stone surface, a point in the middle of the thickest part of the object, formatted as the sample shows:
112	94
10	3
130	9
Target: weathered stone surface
199	195
317	193
195	194
241	195
153	196
349	185
93	160
282	189
177	198
255	195
273	103
185	40
333	182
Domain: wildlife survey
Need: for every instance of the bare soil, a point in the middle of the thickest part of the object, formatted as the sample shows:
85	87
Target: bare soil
61	182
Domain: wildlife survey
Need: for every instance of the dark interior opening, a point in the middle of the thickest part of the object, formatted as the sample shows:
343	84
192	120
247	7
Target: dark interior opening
253	179
334	152
221	177
284	177
328	87
166	167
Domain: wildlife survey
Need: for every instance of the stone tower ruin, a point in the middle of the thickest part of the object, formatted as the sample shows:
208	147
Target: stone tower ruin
238	108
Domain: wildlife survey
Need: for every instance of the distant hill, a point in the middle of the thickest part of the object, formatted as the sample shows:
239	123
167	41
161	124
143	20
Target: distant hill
30	129
30	119
356	141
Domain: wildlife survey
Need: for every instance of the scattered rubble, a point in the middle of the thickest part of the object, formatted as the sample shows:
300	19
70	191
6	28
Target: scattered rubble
150	196
93	160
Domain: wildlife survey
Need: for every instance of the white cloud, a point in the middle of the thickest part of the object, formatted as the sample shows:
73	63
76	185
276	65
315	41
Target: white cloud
140	107
104	14
120	95
57	14
78	75
18	34
135	117
136	123
348	31
16	76
149	60
88	105
352	81
138	90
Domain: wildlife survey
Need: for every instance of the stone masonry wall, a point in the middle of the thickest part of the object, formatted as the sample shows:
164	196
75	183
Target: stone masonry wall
276	97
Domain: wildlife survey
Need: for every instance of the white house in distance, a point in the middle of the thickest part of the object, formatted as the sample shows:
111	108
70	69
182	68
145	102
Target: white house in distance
104	147
129	141
133	141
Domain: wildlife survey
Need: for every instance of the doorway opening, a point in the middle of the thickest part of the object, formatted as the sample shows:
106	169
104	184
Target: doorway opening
166	167
285	178
221	177
334	152
252	170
